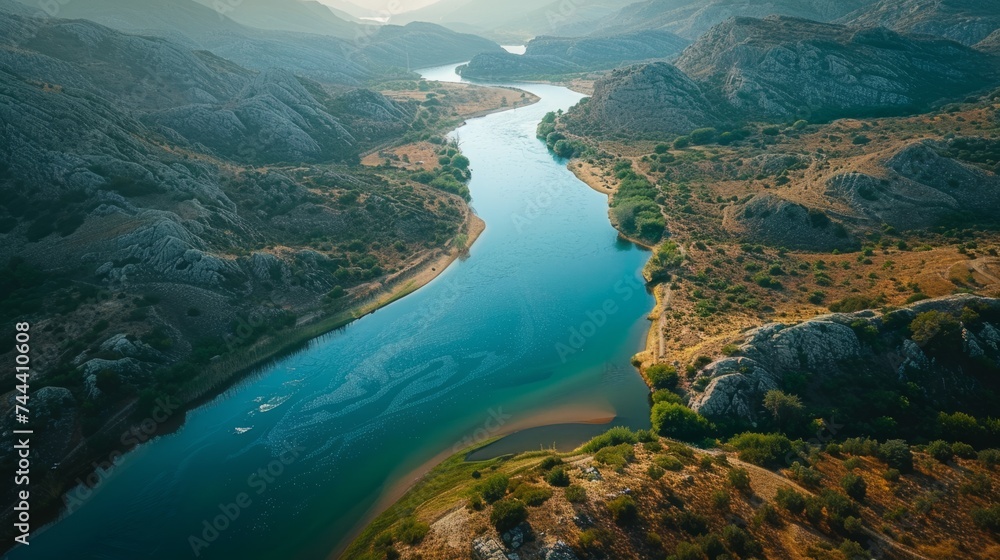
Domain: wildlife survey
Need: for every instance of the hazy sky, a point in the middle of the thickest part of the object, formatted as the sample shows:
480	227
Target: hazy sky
385	5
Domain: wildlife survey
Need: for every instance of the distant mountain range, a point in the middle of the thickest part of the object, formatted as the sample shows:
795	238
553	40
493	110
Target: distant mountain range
553	56
333	50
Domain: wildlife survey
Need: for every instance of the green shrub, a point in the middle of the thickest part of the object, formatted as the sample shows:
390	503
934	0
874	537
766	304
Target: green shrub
721	500
739	479
558	477
655	472
411	532
767	513
740	542
933	326
790	500
549	463
623	510
662	376
990	457
767	450
896	453
940	450
576	494
891	475
688	551
595	540
669	462
680	422
615	436
532	496
663	395
806	475
494	487
987	518
508	514
854	486
617	456
963	450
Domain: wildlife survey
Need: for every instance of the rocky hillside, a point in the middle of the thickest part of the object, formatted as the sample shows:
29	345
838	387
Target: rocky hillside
949	348
648	98
783	68
990	44
554	56
169	216
362	54
639	496
692	18
965	21
780	68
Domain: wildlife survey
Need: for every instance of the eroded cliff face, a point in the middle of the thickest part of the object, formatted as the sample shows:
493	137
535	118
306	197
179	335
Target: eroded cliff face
847	345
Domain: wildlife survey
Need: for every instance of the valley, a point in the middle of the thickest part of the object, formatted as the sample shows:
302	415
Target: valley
682	279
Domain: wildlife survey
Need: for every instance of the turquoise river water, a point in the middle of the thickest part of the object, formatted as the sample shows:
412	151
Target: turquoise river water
535	328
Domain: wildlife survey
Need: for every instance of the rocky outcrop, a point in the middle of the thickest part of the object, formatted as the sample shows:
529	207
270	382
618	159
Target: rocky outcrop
647	98
965	21
487	549
833	345
772	220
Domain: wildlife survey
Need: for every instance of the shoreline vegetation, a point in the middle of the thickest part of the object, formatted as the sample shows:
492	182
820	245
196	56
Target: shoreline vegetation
78	466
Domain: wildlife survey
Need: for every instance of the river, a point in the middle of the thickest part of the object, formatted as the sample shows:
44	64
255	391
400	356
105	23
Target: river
535	327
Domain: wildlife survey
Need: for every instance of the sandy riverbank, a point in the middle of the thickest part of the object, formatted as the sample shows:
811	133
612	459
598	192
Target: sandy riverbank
406	480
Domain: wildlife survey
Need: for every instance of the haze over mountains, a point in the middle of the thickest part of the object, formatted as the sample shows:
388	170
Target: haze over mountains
332	50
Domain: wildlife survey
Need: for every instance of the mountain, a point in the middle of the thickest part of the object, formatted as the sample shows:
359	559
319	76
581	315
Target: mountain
781	68
644	98
965	21
990	44
372	51
549	56
691	18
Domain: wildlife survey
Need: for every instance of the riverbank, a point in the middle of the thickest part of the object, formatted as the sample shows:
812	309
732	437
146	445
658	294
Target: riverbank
415	477
80	463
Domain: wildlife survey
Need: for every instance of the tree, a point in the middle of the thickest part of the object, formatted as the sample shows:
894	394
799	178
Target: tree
933	326
896	453
782	406
460	162
678	421
854	486
662	376
940	450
